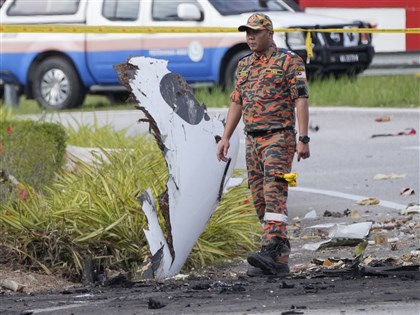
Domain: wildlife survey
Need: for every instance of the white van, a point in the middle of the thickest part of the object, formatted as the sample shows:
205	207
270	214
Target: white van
58	69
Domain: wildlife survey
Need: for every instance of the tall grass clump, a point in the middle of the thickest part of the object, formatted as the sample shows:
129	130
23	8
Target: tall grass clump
91	213
379	91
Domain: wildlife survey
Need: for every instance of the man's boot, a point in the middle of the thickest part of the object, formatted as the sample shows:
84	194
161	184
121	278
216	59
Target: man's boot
273	258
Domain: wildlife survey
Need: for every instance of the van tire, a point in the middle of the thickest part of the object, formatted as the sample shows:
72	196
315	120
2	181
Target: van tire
230	73
56	85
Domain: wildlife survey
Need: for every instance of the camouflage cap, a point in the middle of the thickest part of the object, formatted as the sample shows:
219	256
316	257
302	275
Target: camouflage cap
257	21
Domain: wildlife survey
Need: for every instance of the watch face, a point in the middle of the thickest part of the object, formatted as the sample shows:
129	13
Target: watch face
304	139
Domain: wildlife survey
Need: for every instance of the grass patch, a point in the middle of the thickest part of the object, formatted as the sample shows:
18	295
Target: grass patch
90	213
386	91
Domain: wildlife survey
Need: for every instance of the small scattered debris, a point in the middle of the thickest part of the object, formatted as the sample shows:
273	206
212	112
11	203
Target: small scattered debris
389	271
201	286
389	176
393	224
12	285
310	215
411	209
380	239
384	240
284	285
384	118
154	304
328	213
406	132
292	312
368	202
236	288
313	128
407	191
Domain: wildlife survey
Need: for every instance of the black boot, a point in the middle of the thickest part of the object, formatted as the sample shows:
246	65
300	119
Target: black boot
273	258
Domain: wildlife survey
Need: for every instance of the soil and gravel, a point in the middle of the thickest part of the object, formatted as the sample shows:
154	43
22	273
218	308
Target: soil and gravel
385	282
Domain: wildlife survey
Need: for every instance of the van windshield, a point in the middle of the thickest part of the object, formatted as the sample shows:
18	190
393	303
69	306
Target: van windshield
234	7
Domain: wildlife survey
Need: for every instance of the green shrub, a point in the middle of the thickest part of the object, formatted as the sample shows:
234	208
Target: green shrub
93	213
31	151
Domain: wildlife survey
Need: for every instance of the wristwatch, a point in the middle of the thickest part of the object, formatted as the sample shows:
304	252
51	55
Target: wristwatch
304	139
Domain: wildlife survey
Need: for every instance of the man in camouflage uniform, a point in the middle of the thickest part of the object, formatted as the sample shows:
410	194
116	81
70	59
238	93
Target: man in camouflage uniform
271	87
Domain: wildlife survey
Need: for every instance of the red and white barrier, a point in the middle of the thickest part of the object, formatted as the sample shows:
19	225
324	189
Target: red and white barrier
383	14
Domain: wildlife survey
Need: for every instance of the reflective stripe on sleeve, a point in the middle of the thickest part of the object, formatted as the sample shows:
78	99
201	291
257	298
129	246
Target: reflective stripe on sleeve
270	216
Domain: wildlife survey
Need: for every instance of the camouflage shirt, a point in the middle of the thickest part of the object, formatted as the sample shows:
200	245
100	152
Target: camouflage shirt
267	89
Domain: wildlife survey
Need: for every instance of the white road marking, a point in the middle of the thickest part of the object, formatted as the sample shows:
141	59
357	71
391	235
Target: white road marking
383	203
64	307
411	148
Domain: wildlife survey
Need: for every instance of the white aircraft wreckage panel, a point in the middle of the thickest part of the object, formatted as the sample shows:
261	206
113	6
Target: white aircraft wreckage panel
188	139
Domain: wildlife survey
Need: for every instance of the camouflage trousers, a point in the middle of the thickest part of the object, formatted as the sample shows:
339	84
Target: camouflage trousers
267	156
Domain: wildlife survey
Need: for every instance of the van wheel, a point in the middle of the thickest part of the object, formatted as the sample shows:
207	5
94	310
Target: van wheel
56	85
230	73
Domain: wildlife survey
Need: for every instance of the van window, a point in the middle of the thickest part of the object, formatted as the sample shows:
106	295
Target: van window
43	7
121	10
164	10
234	7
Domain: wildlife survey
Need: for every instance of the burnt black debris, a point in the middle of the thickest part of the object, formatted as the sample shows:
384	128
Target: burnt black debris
154	304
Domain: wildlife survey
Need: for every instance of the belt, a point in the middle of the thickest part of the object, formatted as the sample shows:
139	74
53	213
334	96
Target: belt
260	133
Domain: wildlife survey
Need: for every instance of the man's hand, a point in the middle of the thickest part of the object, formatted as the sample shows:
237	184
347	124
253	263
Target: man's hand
222	150
302	150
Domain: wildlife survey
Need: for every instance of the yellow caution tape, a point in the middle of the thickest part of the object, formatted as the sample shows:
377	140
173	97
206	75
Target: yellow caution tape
58	28
289	177
30	28
309	51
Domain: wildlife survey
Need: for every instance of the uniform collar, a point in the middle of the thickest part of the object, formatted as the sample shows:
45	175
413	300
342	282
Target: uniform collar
263	57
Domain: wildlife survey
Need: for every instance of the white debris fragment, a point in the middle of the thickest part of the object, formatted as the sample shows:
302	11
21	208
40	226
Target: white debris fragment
12	285
310	215
188	139
339	234
411	210
233	182
386	241
388	176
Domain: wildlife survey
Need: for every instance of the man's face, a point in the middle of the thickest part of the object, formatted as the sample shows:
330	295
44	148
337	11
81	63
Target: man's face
259	41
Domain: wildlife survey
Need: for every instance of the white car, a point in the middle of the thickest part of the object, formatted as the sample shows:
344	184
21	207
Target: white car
58	69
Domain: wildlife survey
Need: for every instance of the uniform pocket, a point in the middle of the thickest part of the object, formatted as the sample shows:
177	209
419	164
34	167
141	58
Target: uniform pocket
272	75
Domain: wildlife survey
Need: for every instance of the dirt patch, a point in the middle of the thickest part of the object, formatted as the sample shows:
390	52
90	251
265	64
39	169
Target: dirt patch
393	242
29	281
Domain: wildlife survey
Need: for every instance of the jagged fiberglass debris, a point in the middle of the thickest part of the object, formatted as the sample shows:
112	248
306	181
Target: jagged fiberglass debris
188	139
339	234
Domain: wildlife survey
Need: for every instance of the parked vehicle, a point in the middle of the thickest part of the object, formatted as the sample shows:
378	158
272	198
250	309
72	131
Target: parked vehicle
58	69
